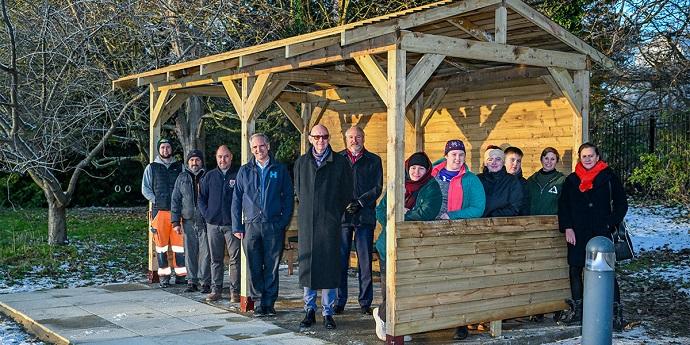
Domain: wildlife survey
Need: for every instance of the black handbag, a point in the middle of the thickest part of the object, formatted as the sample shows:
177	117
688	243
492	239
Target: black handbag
621	239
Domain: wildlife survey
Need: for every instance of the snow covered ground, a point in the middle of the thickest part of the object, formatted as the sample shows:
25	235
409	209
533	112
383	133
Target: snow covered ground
651	227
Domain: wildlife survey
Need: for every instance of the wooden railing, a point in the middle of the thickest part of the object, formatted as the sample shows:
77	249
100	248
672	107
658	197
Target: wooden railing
453	273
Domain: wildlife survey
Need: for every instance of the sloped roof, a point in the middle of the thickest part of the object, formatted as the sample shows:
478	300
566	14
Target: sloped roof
468	19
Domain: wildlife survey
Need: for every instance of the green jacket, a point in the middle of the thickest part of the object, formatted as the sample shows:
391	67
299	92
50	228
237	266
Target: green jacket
544	191
427	207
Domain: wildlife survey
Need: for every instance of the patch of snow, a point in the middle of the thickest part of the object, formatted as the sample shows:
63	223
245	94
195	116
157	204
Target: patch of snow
635	336
13	334
654	227
678	275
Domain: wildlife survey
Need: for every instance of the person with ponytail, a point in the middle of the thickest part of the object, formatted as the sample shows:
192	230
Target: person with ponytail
592	202
422	202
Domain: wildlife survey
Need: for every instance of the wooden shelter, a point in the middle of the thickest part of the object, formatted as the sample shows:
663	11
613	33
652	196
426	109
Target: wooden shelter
485	71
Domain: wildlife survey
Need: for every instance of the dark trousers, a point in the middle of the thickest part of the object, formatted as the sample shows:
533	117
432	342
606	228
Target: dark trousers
364	239
197	258
263	246
577	284
220	237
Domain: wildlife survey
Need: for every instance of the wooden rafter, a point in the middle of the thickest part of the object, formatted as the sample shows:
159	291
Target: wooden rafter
501	25
420	74
213	67
298	48
292	115
375	74
565	83
144	81
488	51
324	76
254	58
471	29
432	103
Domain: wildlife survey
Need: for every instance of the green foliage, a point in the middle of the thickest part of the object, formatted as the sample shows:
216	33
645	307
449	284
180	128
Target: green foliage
23	241
665	176
20	191
568	14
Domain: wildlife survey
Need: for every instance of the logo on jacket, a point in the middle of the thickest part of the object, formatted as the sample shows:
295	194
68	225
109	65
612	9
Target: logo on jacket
553	190
231	183
273	174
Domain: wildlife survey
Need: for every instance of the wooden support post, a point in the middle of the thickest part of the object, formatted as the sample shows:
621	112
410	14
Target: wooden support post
501	25
495	328
581	118
306	112
395	178
154	135
374	73
418	128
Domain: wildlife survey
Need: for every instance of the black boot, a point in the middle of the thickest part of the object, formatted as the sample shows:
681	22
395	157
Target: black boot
618	321
574	315
461	333
309	319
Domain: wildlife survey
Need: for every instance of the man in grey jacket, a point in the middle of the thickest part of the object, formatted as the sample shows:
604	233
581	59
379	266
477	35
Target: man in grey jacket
186	215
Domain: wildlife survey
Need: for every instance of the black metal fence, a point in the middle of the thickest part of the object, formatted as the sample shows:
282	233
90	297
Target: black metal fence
622	142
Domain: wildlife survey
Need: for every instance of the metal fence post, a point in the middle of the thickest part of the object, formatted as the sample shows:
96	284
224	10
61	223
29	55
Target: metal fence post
597	317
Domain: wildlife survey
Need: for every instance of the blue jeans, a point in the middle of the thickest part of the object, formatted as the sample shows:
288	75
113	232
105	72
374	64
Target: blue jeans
327	300
364	239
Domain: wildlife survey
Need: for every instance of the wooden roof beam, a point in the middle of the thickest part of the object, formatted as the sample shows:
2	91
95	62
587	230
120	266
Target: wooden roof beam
471	29
255	58
375	74
206	69
431	15
144	81
299	48
207	91
420	74
323	76
566	37
488	51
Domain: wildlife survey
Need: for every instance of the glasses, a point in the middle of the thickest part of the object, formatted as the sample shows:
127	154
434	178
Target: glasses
317	137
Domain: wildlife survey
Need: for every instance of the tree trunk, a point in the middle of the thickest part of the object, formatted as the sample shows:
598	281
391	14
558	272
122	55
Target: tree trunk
57	223
189	127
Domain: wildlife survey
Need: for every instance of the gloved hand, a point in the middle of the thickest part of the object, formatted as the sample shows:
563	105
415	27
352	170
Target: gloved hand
353	207
153	230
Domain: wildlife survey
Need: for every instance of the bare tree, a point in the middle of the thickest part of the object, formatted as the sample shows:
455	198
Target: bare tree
57	113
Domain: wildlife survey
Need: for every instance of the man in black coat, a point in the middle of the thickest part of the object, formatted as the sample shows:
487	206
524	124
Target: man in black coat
323	184
360	217
215	203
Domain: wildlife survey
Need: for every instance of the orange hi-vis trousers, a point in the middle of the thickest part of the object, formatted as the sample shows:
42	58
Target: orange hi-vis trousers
165	238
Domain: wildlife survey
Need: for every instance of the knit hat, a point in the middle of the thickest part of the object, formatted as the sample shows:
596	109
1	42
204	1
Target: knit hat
419	158
494	153
454	144
195	153
162	141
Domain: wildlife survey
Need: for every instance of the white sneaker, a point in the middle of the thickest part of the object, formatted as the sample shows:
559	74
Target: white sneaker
380	325
407	338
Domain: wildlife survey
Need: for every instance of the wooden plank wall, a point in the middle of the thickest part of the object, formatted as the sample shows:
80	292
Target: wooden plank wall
453	273
526	113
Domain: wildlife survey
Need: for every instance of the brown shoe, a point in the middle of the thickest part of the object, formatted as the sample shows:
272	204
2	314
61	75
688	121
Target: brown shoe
213	296
234	297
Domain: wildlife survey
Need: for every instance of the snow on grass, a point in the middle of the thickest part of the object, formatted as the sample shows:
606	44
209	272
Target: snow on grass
654	227
635	336
11	333
678	275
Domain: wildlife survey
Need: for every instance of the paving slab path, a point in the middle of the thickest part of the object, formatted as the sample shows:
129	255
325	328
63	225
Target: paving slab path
138	314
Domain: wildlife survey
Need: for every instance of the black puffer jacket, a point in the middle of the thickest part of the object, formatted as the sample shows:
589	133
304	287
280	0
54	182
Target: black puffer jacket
503	193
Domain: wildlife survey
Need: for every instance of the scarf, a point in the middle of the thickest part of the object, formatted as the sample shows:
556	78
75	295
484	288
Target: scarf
319	158
411	187
587	176
455	192
354	158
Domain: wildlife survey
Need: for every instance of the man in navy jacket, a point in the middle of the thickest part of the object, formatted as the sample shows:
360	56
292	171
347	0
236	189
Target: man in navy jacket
215	200
262	205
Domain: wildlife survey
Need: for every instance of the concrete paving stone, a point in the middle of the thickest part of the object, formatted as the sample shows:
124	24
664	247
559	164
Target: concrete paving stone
283	339
60	324
158	326
249	329
133	316
75	292
189	308
25	296
27	306
200	337
126	287
142	295
123	341
59	312
106	297
216	319
108	308
97	334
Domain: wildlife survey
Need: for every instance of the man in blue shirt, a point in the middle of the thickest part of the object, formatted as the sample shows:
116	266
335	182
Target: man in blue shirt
262	206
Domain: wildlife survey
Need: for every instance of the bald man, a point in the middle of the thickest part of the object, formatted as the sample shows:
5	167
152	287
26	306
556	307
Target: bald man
215	203
323	184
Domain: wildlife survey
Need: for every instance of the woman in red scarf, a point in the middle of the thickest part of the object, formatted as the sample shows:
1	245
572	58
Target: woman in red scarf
422	202
592	202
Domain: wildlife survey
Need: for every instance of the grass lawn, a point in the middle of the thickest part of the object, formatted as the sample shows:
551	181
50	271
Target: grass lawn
103	242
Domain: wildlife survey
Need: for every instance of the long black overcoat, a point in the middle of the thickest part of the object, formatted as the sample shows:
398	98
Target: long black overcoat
323	193
590	213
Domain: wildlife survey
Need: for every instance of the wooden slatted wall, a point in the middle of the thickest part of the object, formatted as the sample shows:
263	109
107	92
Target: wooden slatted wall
452	273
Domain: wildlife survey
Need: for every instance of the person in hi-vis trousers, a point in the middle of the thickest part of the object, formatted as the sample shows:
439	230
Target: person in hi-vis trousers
157	186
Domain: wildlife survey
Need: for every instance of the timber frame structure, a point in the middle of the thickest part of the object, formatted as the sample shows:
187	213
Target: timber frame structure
496	69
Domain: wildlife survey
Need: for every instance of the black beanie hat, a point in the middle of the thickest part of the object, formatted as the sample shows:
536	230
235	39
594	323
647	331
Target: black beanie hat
195	153
162	141
419	158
